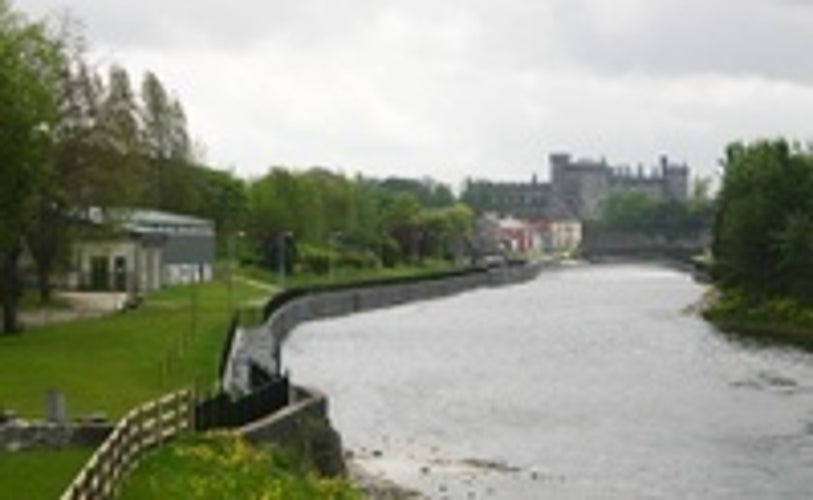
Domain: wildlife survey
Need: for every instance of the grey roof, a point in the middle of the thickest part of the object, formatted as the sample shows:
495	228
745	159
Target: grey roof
158	217
141	221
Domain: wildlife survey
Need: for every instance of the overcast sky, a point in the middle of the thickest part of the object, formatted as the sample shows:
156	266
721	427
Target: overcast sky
450	89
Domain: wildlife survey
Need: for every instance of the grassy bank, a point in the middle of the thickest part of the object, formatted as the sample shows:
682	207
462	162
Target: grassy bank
39	474
113	363
767	320
220	466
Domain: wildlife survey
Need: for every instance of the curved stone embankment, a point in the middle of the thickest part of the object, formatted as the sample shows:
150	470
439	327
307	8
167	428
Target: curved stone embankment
303	426
260	346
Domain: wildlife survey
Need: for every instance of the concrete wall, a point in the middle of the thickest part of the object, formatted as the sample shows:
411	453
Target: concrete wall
601	243
304	426
259	345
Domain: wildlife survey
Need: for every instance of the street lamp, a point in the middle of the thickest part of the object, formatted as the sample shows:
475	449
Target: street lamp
232	265
281	251
333	238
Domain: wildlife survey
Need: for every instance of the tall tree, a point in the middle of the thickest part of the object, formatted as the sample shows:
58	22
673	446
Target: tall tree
118	153
223	199
762	241
69	183
29	67
168	148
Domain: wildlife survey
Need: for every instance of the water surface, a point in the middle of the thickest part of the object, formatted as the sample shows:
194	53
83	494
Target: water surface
589	382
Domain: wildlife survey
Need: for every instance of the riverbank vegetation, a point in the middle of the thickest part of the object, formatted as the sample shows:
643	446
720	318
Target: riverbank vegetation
224	466
763	242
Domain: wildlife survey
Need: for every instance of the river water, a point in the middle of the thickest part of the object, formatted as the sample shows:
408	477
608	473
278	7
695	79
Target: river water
589	382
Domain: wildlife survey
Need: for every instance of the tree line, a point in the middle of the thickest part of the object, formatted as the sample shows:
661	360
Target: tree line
356	222
638	212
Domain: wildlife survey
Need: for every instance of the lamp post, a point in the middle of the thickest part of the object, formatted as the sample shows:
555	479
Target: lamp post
232	264
333	238
282	248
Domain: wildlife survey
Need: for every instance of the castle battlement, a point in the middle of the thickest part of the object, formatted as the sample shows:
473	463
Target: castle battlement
578	187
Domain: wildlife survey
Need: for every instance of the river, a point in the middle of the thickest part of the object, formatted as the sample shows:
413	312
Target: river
588	382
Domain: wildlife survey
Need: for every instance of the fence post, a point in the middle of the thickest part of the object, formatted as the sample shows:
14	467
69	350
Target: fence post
193	401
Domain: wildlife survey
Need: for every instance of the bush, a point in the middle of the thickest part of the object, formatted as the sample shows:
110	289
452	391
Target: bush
224	466
314	259
358	260
775	319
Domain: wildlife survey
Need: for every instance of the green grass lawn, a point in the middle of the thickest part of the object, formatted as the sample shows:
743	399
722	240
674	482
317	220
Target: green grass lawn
113	363
39	474
220	466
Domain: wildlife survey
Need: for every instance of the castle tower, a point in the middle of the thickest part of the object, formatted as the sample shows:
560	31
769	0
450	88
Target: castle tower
675	180
578	187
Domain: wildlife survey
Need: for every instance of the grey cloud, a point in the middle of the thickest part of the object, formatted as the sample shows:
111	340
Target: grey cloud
740	38
677	37
222	25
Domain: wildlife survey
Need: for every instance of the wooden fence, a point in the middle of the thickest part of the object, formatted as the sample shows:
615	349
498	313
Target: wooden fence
142	428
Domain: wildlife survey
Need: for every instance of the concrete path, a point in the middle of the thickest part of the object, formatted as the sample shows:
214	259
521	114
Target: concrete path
82	305
260	285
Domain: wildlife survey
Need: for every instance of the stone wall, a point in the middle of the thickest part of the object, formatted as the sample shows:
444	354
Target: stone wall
260	345
597	243
303	426
17	434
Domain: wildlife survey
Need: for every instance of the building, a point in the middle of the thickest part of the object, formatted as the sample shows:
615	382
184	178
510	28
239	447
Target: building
577	189
565	236
141	250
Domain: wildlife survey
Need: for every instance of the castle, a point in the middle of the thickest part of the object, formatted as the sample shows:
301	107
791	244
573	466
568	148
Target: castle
577	189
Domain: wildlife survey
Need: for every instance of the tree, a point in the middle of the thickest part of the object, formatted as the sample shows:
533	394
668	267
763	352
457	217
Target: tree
29	67
671	219
70	183
762	241
401	222
223	199
116	161
167	149
427	192
632	211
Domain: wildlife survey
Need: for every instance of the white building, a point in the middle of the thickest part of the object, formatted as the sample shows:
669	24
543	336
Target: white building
142	250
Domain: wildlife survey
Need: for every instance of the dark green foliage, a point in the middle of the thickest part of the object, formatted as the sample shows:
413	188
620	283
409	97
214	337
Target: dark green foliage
29	69
426	192
763	320
359	222
763	242
638	212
